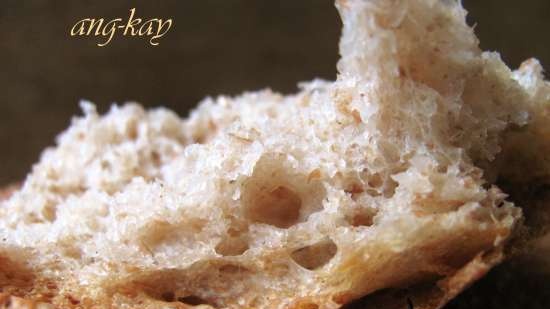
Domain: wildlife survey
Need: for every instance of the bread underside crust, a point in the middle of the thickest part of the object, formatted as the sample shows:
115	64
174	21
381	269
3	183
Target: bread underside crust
377	185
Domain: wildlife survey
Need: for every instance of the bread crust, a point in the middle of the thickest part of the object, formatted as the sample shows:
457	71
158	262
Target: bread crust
436	294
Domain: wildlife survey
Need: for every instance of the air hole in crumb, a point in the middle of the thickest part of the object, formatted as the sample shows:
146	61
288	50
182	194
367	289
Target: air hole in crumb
49	211
373	184
198	284
355	190
278	206
71	251
373	192
389	189
361	219
155	157
73	300
315	256
105	165
192	300
278	194
314	175
157	233
231	269
32	218
132	130
168	296
375	181
232	246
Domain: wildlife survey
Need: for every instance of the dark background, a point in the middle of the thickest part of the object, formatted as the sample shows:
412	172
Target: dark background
214	47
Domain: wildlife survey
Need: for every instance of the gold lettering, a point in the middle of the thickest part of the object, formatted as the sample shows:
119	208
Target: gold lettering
93	23
160	33
148	29
109	30
132	23
81	24
155	28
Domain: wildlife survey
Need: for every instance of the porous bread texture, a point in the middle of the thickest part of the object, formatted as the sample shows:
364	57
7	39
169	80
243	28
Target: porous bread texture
344	189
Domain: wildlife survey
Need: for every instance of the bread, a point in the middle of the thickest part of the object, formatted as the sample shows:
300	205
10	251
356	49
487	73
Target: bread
379	185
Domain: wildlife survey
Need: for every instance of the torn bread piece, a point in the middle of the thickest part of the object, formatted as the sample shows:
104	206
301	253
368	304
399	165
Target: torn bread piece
380	181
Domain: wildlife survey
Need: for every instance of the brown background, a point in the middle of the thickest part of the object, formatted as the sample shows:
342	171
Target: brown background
214	47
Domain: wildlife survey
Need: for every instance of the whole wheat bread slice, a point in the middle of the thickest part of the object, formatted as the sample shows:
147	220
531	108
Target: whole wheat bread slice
379	185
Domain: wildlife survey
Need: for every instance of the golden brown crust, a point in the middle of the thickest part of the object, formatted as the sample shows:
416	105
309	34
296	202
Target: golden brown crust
435	294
